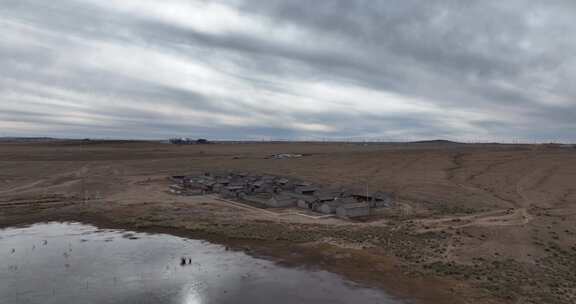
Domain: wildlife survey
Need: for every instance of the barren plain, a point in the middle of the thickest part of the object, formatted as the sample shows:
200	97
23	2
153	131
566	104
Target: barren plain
472	223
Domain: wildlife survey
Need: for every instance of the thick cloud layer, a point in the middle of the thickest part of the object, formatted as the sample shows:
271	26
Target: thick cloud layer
326	69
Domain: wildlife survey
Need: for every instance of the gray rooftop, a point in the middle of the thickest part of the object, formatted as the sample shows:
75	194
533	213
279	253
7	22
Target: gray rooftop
354	206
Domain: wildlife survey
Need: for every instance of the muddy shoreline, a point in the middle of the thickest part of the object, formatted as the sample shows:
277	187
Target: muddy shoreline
371	267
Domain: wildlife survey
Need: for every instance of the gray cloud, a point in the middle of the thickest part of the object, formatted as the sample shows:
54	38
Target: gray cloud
411	69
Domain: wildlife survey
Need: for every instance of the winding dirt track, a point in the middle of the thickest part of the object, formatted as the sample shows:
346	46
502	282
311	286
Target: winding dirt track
524	188
504	217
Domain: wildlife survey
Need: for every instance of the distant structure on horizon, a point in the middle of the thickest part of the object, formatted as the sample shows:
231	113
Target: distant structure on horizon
188	141
27	139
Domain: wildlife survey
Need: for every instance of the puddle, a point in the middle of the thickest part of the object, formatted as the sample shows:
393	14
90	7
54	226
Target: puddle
77	263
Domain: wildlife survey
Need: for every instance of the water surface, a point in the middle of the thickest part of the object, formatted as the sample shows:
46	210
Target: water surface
77	263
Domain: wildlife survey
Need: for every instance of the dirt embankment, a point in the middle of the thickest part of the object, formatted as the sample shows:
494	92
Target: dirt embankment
473	224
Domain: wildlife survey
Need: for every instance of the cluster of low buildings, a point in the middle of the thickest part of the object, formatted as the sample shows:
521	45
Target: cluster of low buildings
285	155
188	141
268	191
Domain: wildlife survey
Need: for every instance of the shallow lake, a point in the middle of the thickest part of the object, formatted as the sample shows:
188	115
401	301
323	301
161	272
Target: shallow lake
77	263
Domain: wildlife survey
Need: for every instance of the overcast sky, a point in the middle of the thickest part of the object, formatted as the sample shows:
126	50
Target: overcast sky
287	69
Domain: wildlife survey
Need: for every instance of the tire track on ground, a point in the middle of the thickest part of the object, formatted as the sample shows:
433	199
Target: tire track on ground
518	216
458	160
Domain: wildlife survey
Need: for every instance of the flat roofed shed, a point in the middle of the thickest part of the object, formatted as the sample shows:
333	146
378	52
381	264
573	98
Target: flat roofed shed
329	207
353	210
234	188
282	201
308	190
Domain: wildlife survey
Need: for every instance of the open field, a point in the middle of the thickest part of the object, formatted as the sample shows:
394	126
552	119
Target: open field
478	223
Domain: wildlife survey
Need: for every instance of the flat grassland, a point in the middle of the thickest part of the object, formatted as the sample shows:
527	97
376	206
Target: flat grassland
473	223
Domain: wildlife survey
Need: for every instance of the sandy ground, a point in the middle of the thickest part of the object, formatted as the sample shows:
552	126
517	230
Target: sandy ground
473	223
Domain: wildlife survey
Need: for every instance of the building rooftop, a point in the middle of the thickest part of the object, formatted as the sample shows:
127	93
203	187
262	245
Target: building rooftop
354	206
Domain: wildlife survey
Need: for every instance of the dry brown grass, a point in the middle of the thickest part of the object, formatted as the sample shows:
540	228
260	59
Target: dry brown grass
498	217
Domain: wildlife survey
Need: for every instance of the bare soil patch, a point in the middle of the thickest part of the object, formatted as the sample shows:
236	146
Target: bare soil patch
478	223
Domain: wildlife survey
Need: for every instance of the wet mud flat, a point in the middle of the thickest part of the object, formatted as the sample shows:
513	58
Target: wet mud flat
67	262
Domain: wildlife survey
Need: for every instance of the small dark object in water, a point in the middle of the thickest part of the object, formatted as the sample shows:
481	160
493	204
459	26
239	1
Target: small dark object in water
13	250
45	242
185	261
